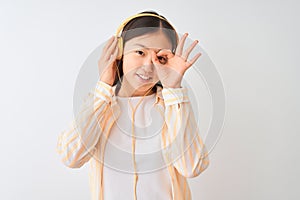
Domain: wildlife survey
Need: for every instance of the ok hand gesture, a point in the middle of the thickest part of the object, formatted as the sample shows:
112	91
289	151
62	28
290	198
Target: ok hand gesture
171	68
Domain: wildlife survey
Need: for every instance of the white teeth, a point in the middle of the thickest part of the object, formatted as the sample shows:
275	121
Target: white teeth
143	77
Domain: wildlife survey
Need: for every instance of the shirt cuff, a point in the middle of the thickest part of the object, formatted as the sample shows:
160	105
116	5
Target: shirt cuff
103	91
174	95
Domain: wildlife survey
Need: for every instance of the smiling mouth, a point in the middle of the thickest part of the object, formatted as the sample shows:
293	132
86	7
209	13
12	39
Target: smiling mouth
144	77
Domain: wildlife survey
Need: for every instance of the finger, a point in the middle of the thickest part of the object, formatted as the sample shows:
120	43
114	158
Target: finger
111	48
189	50
164	55
154	58
195	58
114	55
165	52
108	43
180	45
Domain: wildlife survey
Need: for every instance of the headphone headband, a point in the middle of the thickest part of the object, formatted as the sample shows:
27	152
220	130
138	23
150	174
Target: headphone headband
136	16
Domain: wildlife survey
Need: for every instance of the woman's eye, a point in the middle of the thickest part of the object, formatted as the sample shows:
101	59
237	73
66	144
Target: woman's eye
139	52
162	59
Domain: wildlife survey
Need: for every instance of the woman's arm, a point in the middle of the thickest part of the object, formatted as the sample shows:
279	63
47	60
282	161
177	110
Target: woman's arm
186	146
78	142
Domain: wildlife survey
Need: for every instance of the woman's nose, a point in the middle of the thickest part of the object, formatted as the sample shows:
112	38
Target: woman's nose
148	64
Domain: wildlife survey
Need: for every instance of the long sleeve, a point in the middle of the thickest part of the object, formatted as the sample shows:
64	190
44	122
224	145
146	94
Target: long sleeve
77	143
186	148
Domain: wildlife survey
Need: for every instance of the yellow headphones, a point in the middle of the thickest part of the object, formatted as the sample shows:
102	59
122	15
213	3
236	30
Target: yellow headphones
119	30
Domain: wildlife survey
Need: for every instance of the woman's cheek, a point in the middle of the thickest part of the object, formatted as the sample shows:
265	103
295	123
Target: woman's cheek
130	66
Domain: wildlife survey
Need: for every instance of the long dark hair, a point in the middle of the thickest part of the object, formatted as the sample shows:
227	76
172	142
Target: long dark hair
145	25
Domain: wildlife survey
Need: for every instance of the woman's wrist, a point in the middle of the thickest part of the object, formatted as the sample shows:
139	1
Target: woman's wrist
107	81
175	85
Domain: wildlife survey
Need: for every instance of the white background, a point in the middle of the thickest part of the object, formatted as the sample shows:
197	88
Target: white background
254	44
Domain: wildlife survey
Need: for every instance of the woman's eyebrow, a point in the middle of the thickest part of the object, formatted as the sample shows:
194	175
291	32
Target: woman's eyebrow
137	44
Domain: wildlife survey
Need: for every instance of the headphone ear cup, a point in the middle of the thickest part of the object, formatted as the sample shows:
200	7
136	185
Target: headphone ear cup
120	48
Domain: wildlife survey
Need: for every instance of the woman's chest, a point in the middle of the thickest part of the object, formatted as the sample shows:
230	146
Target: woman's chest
137	133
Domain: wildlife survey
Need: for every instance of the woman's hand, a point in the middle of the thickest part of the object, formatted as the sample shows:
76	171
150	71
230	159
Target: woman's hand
107	64
171	68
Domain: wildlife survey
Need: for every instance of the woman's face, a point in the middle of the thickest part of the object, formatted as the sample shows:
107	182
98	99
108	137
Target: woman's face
139	72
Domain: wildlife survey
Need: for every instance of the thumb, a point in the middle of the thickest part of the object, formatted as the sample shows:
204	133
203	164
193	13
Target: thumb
154	58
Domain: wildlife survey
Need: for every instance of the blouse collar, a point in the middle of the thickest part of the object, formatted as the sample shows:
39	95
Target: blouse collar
158	96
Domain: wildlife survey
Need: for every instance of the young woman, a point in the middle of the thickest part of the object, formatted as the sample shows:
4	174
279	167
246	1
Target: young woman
137	129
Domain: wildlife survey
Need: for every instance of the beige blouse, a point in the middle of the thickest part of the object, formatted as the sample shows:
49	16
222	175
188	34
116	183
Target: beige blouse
154	150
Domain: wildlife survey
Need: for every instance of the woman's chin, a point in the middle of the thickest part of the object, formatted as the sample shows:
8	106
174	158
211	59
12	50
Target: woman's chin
142	89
